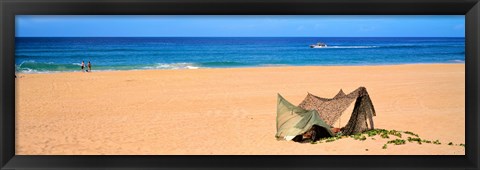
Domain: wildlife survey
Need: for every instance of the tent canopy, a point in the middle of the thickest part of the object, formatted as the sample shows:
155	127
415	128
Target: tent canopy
293	120
323	112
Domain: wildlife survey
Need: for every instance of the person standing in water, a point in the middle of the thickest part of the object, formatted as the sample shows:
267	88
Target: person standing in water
83	66
89	67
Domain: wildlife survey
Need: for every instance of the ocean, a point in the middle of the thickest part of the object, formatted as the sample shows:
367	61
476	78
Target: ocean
45	55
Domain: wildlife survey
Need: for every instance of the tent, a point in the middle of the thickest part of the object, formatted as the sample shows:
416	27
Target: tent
330	110
293	121
320	114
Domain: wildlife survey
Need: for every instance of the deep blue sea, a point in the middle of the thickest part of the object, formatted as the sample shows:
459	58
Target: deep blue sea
43	55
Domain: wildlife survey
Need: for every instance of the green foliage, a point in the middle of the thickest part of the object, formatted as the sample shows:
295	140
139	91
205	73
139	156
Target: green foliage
363	138
371	132
382	131
384	135
410	133
410	139
397	141
359	137
330	140
426	141
395	133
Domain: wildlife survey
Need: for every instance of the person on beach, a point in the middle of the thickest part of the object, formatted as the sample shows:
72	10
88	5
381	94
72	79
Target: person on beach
89	67
83	66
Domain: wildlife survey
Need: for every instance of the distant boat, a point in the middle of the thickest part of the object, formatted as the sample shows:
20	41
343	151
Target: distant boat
318	45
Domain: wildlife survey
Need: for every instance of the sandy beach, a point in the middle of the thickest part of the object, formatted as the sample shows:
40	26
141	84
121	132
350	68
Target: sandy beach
230	111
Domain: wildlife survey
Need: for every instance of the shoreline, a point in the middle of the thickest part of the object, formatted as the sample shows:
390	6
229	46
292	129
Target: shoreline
246	67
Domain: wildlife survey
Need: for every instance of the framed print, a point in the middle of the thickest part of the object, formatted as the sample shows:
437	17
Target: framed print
187	84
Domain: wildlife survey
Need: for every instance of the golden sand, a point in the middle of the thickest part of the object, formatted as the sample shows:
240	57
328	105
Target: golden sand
230	111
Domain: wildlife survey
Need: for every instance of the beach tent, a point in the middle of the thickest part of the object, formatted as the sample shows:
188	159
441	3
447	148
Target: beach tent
331	109
293	120
319	114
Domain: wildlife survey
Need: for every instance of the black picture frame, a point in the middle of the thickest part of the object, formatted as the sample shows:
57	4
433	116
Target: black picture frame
10	8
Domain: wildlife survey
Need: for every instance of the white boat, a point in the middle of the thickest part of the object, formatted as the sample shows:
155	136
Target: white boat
318	45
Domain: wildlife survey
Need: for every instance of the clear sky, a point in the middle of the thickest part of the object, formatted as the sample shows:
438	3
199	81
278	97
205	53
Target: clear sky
240	26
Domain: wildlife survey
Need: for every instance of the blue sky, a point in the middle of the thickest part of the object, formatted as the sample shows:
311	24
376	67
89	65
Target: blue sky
240	26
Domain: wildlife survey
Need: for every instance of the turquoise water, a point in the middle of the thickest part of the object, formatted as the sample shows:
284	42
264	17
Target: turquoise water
43	55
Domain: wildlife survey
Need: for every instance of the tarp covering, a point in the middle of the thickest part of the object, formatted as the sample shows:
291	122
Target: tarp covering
293	120
362	111
323	112
330	110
